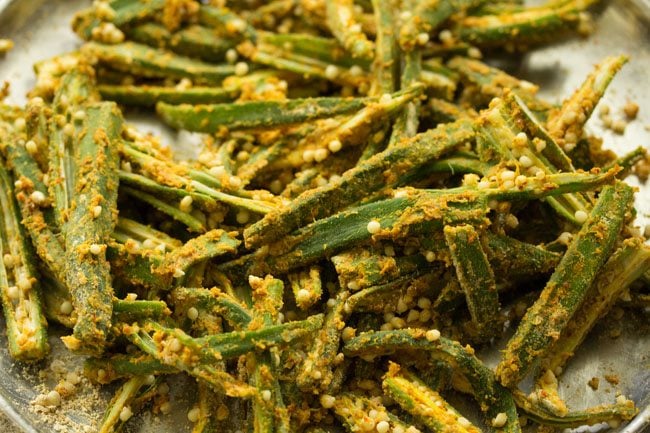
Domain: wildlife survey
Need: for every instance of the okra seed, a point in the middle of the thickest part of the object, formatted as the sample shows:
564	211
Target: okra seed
471	179
507	175
331	72
512	221
20	124
331	303
474	53
308	156
19	184
31	147
193	414
231	56
382	427
445	36
422	38
565	238
334	146
186	204
356	71
266	395
327	401
68	130
432	335
525	161
79	115
178	273
521	139
464	422
569	117
373	227
218	171
243	216
353	285
192	313
37	197
569	146
95	249
398	322
618	126
581	216
355	28
385	98
97	211
348	333
302	295
367	424
424	303
405	15
150	379
540	145
241	69
631	110
386	327
9	261
508	184
175	345
149	244
276	186
398	429
499	420
125	413
235	182
430	256
13	292
53	398
413	316
166	408
321	155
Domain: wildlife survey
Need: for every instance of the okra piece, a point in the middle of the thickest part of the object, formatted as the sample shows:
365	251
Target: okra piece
566	124
380	171
120	403
306	286
19	286
620	411
130	311
427	16
209	245
214	347
90	224
316	371
148	96
532	25
119	12
342	23
386	64
493	398
134	268
407	123
213	300
150	62
425	404
256	114
109	369
353	409
568	286
624	267
227	22
476	278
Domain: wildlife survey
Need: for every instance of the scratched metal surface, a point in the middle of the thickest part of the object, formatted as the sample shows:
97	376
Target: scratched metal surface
40	28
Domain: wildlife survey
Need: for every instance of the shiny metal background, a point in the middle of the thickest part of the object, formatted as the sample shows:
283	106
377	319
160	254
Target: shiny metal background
40	29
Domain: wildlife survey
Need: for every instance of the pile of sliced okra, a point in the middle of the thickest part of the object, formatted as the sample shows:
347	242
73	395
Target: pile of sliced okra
372	202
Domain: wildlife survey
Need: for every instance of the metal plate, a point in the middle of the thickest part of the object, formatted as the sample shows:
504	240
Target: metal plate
40	29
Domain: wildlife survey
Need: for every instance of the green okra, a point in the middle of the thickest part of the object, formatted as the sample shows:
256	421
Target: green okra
407	123
120	12
20	290
226	22
107	370
625	266
256	114
211	244
90	224
148	96
307	286
352	410
122	400
425	404
475	276
568	285
212	301
620	411
566	125
145	61
215	347
129	311
367	177
189	220
342	23
134	268
427	16
532	25
316	371
193	41
489	393
385	66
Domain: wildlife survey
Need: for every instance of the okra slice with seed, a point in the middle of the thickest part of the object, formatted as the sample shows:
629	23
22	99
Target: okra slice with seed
427	16
150	62
532	25
354	412
624	267
255	114
342	23
476	278
566	124
120	405
380	171
425	404
90	224
307	286
568	286
493	398
212	300
19	286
